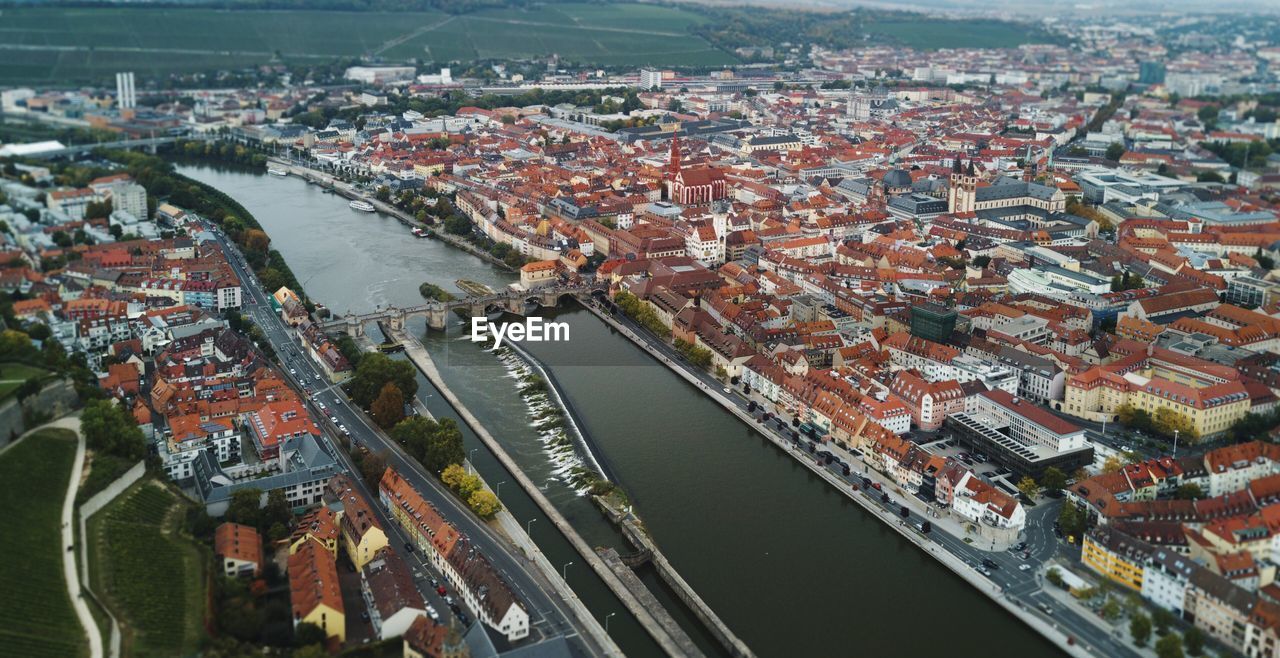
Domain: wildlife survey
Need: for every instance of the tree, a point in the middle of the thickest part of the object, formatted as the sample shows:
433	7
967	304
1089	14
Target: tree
462	482
1115	151
1028	487
444	447
435	445
61	238
1054	576
306	634
1189	491
388	408
1167	421
484	504
255	240
374	372
1162	619
245	507
1194	640
1140	629
1053	479
278	510
383	193
372	467
1111	609
1169	646
1072	519
98	210
1112	465
981	261
108	428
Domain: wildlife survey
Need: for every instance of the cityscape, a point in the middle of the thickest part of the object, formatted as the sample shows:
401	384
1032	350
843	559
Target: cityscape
500	328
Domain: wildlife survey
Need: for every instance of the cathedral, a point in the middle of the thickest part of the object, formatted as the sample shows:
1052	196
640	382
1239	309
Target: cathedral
694	186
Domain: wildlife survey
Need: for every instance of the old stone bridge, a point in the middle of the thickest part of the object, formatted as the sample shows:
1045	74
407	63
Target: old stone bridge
517	302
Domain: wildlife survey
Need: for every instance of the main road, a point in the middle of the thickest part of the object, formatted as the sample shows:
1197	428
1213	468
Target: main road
548	615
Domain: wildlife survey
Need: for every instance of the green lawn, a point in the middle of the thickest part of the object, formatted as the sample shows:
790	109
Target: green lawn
64	44
12	375
932	34
151	576
36	617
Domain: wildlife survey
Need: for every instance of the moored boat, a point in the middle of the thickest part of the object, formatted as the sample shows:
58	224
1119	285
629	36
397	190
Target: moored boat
276	171
361	205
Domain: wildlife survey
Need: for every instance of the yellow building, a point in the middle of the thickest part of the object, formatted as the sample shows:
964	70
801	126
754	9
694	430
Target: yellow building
1209	396
362	534
314	592
1115	556
319	526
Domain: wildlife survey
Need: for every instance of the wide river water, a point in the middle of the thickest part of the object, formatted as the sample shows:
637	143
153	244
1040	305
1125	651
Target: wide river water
792	566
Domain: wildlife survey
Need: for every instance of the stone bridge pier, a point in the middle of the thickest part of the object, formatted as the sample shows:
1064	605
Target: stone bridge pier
395	319
355	328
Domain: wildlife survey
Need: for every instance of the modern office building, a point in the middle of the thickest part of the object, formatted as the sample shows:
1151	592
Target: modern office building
932	321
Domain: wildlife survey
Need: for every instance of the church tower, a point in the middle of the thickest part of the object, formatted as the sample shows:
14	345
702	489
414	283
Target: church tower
963	189
674	166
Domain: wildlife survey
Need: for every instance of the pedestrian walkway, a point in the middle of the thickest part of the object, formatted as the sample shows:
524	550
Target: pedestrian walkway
68	539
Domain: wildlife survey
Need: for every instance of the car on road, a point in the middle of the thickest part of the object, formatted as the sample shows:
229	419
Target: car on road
335	401
1024	567
989	563
441	590
318	378
408	547
985	572
726	389
321	405
292	371
1021	546
431	612
343	429
1046	608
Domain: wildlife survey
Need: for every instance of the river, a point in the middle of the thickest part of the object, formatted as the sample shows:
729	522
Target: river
792	566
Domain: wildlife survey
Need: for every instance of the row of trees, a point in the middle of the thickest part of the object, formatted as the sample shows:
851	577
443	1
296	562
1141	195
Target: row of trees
435	444
1165	422
698	356
641	313
470	489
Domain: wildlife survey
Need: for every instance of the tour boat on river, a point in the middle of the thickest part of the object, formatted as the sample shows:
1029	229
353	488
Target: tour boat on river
361	205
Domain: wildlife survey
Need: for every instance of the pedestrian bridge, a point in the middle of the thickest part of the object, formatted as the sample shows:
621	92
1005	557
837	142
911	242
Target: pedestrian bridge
516	302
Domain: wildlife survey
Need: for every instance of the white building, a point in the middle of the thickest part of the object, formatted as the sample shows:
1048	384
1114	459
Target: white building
650	79
126	96
377	75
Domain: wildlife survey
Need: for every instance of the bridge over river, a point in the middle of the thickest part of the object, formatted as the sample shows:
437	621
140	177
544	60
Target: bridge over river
516	302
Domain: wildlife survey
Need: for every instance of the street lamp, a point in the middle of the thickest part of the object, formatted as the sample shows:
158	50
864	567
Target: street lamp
498	486
470	456
606	621
564	571
1175	444
530	523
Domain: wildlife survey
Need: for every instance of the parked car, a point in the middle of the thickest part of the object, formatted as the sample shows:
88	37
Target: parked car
441	590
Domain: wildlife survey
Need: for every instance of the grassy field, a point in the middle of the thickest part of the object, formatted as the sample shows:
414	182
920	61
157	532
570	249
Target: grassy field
36	617
48	44
930	34
12	375
151	576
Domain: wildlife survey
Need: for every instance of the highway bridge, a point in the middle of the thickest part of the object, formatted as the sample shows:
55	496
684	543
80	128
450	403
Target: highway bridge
149	144
517	302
